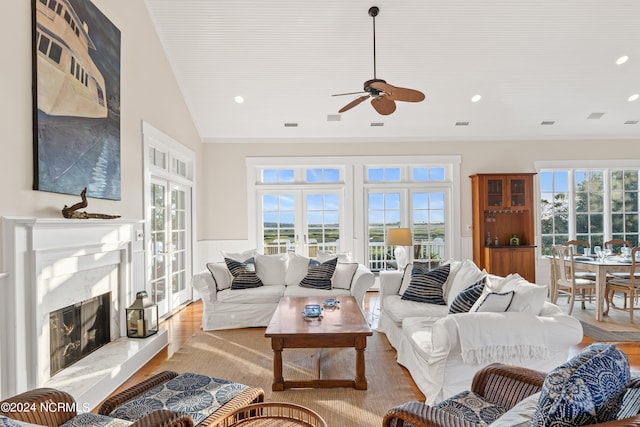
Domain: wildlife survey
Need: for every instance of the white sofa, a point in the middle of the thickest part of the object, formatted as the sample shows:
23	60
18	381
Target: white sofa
443	351
226	308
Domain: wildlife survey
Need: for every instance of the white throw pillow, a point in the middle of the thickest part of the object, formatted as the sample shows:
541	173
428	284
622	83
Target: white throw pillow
323	256
467	274
240	256
521	415
406	278
297	269
528	297
493	302
272	269
343	275
221	275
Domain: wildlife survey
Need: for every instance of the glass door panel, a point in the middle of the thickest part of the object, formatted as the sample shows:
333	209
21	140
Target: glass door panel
383	213
428	225
278	223
323	223
159	246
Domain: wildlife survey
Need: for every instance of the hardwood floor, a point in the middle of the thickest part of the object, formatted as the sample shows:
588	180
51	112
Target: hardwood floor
186	322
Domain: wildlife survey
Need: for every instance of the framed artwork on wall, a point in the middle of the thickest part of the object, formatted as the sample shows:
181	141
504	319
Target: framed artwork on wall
76	99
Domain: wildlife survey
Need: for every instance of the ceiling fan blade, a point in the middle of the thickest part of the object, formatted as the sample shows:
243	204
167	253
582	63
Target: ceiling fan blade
383	105
348	93
399	93
353	103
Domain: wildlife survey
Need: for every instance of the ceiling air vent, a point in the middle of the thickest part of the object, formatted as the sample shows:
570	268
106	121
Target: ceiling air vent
377	124
547	122
291	125
333	117
462	123
595	116
631	122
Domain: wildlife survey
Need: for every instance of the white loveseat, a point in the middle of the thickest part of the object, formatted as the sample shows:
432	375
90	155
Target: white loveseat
443	351
226	308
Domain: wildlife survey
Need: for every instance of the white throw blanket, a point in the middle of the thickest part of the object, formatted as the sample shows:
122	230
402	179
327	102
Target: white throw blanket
500	337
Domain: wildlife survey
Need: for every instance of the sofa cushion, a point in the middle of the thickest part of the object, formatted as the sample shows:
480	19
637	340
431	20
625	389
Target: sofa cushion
493	302
588	389
521	415
244	274
221	275
259	295
408	271
398	309
322	256
9	422
87	419
272	269
343	275
472	408
319	276
463	302
465	275
299	291
196	395
426	285
240	256
297	269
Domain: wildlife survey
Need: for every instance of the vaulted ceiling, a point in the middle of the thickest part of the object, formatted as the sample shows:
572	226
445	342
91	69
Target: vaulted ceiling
545	69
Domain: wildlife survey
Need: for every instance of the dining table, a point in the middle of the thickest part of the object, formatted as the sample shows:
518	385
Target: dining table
601	268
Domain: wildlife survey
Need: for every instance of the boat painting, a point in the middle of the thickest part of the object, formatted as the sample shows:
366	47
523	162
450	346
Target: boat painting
76	52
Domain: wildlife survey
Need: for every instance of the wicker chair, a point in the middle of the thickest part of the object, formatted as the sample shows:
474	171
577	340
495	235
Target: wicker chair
502	385
65	406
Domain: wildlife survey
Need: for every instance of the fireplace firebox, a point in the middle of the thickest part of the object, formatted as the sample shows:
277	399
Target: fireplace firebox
77	330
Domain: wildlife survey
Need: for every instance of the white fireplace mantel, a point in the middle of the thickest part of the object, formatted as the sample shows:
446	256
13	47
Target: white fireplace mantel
53	263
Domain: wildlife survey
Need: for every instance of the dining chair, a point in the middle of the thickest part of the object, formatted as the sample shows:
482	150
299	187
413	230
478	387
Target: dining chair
566	280
578	250
628	284
615	245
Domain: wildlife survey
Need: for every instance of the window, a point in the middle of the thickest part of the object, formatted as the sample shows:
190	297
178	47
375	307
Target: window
348	204
592	204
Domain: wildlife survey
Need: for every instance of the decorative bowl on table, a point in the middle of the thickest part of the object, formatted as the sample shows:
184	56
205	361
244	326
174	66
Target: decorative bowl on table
312	310
331	303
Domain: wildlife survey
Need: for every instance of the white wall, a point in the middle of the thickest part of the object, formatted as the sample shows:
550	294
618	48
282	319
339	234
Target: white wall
149	92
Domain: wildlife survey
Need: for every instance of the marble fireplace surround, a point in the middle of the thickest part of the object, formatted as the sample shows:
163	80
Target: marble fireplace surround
53	263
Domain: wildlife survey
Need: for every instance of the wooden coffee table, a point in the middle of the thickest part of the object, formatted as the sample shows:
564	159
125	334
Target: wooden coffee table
343	327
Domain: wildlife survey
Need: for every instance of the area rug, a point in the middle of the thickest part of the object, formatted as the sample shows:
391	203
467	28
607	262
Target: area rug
245	356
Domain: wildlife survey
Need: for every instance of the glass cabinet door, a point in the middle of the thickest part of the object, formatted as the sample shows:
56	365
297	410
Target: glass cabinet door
495	192
517	193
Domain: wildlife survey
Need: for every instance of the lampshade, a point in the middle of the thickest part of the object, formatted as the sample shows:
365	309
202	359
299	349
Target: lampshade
399	237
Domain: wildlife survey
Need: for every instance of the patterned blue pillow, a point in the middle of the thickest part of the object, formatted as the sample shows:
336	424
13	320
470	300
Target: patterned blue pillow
89	419
472	408
587	389
463	302
319	276
427	285
196	395
244	274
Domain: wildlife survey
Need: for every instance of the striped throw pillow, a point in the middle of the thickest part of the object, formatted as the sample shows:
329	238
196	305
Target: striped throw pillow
244	274
319	276
463	302
427	285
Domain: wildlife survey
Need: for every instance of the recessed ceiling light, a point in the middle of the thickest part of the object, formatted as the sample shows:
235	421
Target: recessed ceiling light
476	98
634	97
622	60
239	99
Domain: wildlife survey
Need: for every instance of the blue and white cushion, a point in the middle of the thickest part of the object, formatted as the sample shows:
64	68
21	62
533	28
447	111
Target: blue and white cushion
463	302
588	389
244	274
427	285
319	276
196	395
8	422
472	408
89	419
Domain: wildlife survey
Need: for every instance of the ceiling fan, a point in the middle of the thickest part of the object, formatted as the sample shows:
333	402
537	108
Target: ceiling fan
384	95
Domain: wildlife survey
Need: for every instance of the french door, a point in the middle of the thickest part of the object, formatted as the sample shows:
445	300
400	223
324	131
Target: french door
301	221
170	244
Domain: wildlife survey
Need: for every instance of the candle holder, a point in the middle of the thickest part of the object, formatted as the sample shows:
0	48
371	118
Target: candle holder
142	317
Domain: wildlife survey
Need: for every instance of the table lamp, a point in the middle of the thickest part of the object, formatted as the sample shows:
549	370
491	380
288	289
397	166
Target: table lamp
400	237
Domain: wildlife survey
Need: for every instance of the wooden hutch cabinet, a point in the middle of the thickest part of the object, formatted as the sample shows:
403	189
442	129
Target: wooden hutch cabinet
502	209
